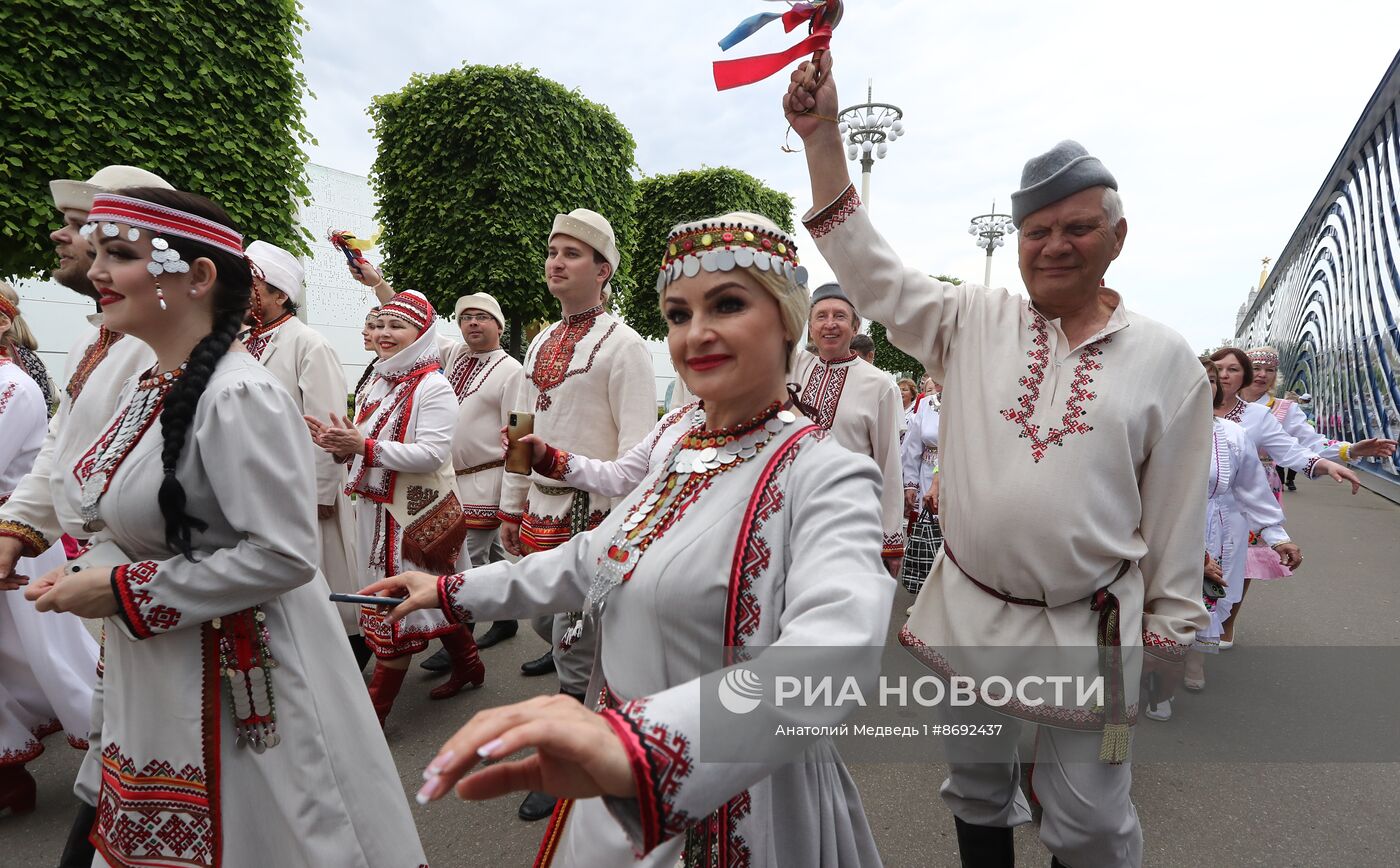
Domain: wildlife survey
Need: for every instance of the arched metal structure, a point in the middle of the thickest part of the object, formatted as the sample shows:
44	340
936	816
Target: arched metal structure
1332	304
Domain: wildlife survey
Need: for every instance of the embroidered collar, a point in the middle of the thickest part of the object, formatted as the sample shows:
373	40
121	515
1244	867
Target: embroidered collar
1117	320
841	361
586	316
1236	413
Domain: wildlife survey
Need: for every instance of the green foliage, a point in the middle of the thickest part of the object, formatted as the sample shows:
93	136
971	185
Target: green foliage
208	97
665	200
892	359
474	163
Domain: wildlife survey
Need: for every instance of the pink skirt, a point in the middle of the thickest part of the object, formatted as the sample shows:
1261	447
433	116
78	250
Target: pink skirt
1263	562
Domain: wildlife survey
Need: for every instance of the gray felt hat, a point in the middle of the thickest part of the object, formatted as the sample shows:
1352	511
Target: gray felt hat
1061	171
830	290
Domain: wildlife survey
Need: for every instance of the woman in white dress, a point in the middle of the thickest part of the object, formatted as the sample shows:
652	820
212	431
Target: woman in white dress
755	530
407	511
235	728
47	661
1274	447
1238	498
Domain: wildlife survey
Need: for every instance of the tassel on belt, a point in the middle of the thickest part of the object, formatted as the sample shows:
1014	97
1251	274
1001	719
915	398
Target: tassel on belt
1114	748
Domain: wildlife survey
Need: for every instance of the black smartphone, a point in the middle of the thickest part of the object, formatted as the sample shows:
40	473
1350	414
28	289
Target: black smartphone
361	600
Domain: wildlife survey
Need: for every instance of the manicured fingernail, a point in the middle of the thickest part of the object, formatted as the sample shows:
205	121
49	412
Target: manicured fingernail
429	791
486	751
435	767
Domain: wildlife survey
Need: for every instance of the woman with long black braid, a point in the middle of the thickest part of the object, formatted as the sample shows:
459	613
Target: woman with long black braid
235	728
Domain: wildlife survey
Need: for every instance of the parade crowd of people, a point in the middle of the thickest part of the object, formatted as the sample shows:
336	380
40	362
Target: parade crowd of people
200	488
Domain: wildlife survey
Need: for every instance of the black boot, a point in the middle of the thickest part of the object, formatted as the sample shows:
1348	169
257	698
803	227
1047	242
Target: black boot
78	852
439	662
536	806
499	632
541	665
361	649
985	846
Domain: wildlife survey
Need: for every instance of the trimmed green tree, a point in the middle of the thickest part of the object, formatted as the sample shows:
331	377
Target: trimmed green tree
892	359
665	200
209	100
473	164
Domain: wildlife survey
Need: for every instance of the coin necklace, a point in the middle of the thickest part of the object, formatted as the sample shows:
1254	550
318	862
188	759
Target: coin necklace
697	458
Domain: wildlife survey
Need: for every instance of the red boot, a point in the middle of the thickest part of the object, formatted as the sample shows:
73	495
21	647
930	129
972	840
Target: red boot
383	688
17	790
466	665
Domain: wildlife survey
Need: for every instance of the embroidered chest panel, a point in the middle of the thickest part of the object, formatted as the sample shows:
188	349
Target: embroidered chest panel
260	338
1076	405
92	357
469	373
554	361
822	393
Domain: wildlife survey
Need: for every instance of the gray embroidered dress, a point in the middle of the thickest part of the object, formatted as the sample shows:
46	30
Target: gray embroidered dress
175	786
781	549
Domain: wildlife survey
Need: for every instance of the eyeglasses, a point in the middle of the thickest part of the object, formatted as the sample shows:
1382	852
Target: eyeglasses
476	317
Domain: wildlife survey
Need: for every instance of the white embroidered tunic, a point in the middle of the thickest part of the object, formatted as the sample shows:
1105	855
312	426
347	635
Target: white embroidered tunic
773	551
1292	420
589	381
860	405
48	662
1070	476
99	363
918	454
176	788
1238	499
485	385
307	367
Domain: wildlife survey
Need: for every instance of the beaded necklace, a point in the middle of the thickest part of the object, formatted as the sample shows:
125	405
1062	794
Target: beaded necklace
695	461
97	467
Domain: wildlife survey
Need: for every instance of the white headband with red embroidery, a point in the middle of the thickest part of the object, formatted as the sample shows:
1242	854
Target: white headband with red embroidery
109	210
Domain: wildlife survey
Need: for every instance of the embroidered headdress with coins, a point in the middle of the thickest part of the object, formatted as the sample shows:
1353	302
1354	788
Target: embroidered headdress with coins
110	212
1263	356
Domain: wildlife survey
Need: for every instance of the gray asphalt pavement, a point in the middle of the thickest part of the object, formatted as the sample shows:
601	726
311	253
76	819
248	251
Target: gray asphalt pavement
1193	814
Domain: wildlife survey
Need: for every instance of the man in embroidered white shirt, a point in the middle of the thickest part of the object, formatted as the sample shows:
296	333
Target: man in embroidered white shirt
855	400
1073	453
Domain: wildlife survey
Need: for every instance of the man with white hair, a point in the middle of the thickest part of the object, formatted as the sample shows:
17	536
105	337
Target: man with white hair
1073	454
304	362
99	364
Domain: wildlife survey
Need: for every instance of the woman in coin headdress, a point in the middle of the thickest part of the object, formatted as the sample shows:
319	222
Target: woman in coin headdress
235	729
752	530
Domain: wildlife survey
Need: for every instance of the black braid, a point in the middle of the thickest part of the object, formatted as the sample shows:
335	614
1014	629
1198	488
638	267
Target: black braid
364	378
232	294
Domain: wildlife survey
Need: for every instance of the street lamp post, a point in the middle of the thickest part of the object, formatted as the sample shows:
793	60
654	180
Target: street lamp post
868	129
991	230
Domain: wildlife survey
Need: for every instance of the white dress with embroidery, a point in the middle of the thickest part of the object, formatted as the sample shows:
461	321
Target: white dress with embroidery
1238	498
1072	474
771	552
307	367
409	433
859	403
918	454
48	662
176	788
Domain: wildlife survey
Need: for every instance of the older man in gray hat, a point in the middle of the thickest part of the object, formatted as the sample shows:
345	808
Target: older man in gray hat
1072	457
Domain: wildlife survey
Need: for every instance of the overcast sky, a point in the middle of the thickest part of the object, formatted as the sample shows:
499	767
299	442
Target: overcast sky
1219	119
